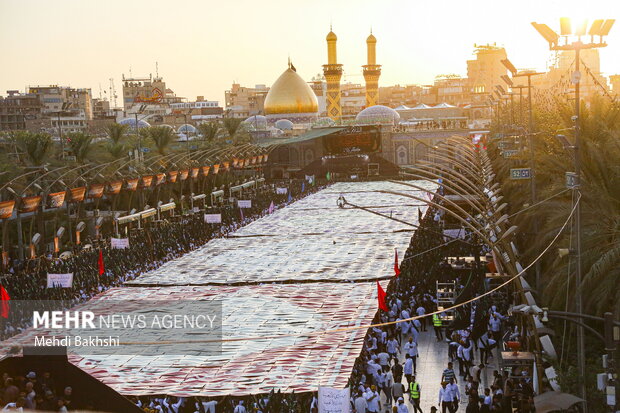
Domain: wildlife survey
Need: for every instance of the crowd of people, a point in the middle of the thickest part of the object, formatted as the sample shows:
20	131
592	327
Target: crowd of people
149	248
391	352
37	391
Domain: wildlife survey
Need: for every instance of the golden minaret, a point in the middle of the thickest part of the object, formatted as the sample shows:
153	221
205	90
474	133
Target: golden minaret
372	72
333	72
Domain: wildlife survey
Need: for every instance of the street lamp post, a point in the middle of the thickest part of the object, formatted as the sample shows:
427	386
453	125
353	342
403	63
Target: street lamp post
601	29
530	141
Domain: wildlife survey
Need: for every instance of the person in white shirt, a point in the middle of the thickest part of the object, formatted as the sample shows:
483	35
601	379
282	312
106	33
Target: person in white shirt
210	406
411	347
372	398
392	347
421	311
445	398
405	327
468	356
360	403
240	408
456	395
488	399
402	407
373	369
460	359
408	369
372	343
384	359
495	325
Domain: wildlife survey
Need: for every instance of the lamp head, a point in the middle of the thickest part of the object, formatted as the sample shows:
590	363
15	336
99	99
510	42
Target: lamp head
36	238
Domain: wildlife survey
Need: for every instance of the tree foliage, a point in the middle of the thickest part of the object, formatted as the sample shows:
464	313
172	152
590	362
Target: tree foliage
161	136
209	131
600	205
116	132
81	145
36	146
231	125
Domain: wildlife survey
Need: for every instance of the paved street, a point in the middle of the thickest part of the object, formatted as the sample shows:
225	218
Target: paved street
430	365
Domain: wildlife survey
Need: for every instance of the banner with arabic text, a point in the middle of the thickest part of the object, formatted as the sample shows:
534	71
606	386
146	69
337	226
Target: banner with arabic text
6	209
96	191
77	194
56	199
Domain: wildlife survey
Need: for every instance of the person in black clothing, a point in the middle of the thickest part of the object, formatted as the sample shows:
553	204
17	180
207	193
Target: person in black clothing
397	371
473	406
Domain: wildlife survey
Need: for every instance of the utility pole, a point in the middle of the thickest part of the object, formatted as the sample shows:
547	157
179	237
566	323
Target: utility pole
581	356
530	134
612	336
600	28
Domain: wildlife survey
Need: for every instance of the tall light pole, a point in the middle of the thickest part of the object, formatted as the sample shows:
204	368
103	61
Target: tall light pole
572	41
138	135
530	141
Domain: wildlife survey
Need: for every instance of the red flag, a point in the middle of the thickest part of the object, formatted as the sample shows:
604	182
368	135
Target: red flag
396	270
381	297
100	262
4	303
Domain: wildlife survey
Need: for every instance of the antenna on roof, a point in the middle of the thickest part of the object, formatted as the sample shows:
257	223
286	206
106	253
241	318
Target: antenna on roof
156	70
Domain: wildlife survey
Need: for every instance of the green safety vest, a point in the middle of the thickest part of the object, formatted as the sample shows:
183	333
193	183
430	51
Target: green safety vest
436	320
414	388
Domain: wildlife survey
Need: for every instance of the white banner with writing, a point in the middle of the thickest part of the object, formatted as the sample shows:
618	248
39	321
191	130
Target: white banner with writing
213	218
244	203
119	243
334	400
281	191
60	280
450	234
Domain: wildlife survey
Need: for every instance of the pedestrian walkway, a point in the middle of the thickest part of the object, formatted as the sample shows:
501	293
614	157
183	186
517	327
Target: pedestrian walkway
432	361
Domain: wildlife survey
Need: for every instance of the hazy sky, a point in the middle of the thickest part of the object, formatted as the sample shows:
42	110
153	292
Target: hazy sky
203	46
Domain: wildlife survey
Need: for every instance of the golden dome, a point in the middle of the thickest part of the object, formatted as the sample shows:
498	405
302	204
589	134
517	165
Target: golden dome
331	36
290	94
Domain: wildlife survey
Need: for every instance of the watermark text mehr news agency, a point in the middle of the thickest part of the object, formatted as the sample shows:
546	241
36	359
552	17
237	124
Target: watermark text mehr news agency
88	320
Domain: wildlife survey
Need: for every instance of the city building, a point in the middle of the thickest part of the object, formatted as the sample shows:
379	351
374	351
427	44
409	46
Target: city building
150	91
615	85
58	99
242	102
195	112
353	99
16	109
453	90
557	81
485	72
394	96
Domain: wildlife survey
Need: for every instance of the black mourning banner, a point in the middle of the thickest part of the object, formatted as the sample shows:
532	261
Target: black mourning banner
353	140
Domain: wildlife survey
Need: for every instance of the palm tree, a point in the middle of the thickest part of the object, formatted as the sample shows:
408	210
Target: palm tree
161	136
600	208
115	149
80	145
231	125
116	131
209	130
36	146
